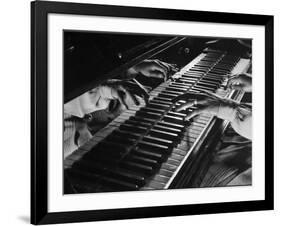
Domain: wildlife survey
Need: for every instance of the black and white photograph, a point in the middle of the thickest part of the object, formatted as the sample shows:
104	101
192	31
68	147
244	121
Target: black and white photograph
152	112
148	112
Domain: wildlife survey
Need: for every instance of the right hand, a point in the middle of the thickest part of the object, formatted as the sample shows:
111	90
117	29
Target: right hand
239	115
240	82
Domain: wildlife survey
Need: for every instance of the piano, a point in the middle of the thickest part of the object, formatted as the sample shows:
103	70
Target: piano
150	146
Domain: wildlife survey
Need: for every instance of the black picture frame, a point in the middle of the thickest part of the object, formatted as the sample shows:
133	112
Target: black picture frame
39	112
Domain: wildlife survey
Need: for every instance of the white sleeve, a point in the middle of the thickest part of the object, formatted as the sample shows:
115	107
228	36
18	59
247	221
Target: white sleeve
239	115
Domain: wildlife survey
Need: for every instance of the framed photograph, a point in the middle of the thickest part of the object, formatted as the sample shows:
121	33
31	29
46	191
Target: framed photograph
145	112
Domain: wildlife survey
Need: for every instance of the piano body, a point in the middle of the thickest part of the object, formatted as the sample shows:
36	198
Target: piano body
150	146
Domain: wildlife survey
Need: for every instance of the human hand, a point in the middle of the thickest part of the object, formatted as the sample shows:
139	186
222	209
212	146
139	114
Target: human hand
239	115
206	102
126	92
153	69
240	82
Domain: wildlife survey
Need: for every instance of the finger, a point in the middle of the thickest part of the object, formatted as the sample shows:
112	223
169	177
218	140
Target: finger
193	103
142	89
157	74
210	95
184	106
129	95
133	98
198	111
121	98
232	81
145	98
237	86
233	76
170	68
191	95
162	64
184	96
158	67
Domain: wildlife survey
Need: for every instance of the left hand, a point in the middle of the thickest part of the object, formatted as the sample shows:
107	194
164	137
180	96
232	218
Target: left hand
153	69
124	91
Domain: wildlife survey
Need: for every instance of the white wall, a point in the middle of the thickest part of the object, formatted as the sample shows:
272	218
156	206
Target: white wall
15	94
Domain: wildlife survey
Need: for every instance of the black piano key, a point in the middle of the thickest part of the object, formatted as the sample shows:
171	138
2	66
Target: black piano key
176	89
163	134
159	141
142	160
212	79
177	93
155	104
199	70
142	119
179	85
147	114
208	84
129	135
195	89
137	167
165	103
167	129
176	114
173	119
204	88
132	128
152	109
180	126
152	146
191	77
109	149
189	80
167	96
215	74
204	64
138	123
149	154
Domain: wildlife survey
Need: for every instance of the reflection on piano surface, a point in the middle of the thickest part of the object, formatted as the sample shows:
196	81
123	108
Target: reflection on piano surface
151	146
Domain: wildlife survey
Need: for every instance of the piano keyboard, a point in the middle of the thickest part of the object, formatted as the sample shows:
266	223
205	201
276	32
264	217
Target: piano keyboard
146	146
